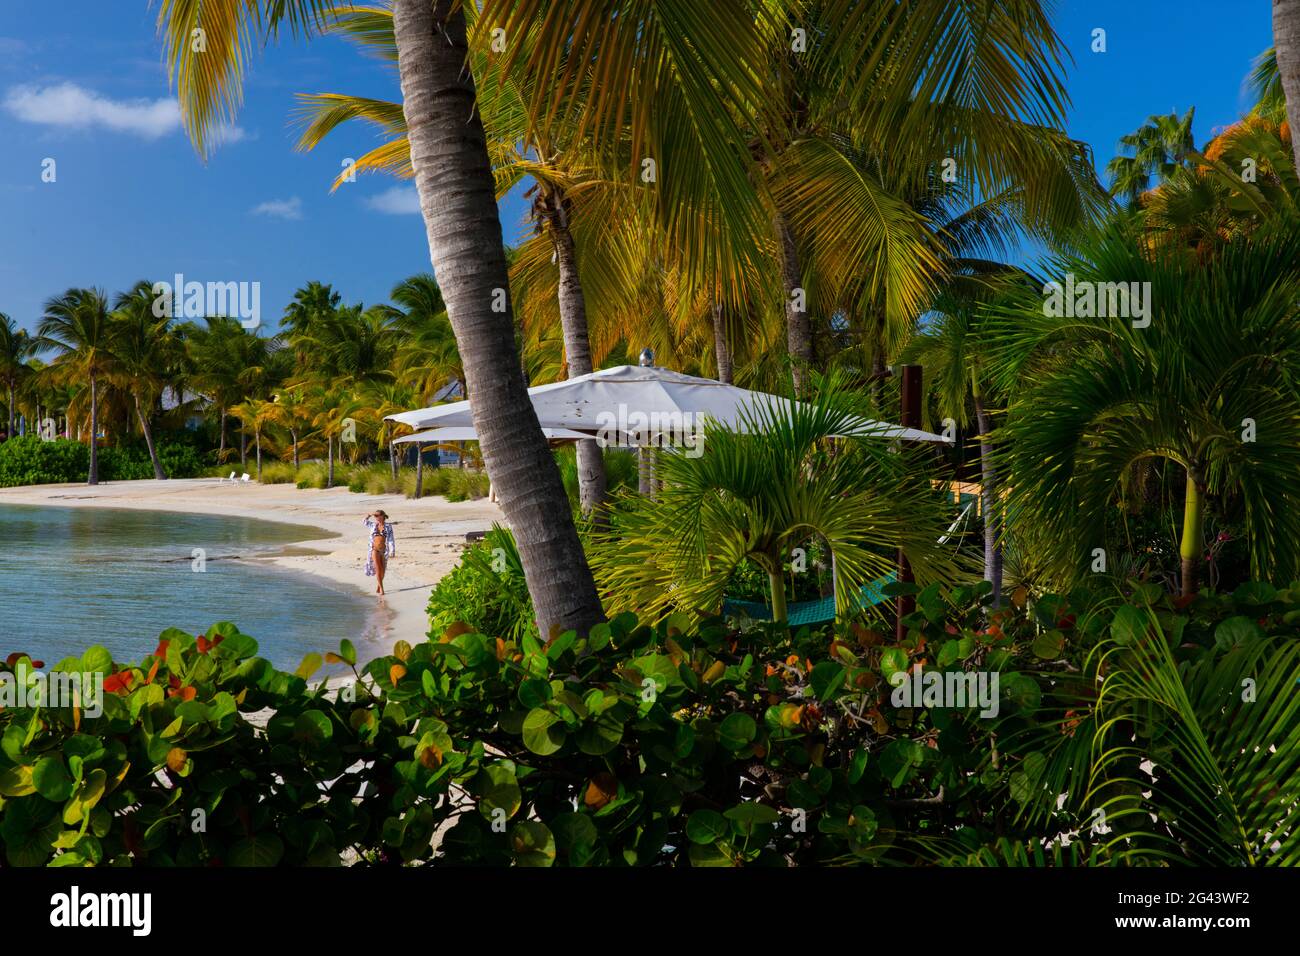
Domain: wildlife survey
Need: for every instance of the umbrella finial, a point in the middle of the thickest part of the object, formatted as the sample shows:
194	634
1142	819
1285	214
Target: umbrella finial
647	357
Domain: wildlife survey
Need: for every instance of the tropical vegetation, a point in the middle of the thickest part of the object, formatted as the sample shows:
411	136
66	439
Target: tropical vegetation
799	198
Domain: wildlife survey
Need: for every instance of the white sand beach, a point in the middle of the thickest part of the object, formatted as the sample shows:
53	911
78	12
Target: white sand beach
430	532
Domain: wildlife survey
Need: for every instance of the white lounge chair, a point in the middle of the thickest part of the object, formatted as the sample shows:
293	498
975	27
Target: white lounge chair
244	479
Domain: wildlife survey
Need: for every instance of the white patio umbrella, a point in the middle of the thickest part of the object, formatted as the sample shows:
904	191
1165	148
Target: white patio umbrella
469	434
630	401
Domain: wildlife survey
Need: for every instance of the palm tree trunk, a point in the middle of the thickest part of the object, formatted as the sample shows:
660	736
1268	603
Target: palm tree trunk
10	432
419	471
294	434
1190	548
1286	40
721	345
453	176
776	585
158	473
577	343
989	504
798	330
93	477
243	448
257	440
221	445
392	458
329	472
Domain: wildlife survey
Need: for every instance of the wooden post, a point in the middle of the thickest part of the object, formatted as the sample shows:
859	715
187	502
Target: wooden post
910	417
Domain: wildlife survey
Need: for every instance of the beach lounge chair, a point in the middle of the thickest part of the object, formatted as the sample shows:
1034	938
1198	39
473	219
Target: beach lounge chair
244	479
233	476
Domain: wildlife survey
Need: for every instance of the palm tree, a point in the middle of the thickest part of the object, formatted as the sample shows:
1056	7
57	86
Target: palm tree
291	410
77	326
1156	149
456	189
1207	387
1286	43
351	342
225	361
145	352
950	349
257	414
334	409
758	493
426	353
16	347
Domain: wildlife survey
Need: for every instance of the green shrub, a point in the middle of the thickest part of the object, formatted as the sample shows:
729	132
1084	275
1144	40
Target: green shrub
30	461
620	471
486	590
464	484
690	742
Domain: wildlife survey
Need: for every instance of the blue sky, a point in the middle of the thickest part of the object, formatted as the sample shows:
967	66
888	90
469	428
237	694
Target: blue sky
82	83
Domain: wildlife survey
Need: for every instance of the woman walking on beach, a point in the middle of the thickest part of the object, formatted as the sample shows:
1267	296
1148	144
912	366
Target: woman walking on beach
380	546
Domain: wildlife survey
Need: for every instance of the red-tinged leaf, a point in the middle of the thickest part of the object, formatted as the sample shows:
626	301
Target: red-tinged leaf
153	672
161	649
204	644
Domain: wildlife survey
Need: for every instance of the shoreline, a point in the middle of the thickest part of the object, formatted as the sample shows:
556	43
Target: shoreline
430	533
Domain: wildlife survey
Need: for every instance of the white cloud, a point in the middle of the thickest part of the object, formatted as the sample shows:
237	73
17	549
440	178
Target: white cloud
71	106
228	135
280	208
397	201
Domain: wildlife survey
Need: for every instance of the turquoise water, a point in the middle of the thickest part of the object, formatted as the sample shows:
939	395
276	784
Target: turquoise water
72	577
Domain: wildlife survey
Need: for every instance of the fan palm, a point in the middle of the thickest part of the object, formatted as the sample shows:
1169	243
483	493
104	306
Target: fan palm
16	347
1208	386
76	326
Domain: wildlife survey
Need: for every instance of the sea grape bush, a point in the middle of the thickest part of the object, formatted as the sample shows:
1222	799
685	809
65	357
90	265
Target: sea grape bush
675	743
30	461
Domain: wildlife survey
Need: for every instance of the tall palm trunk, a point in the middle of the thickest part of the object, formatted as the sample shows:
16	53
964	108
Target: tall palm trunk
158	472
221	445
294	434
243	448
577	343
93	477
257	441
329	472
1286	40
419	471
1190	548
10	432
721	344
798	330
989	504
453	176
392	458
